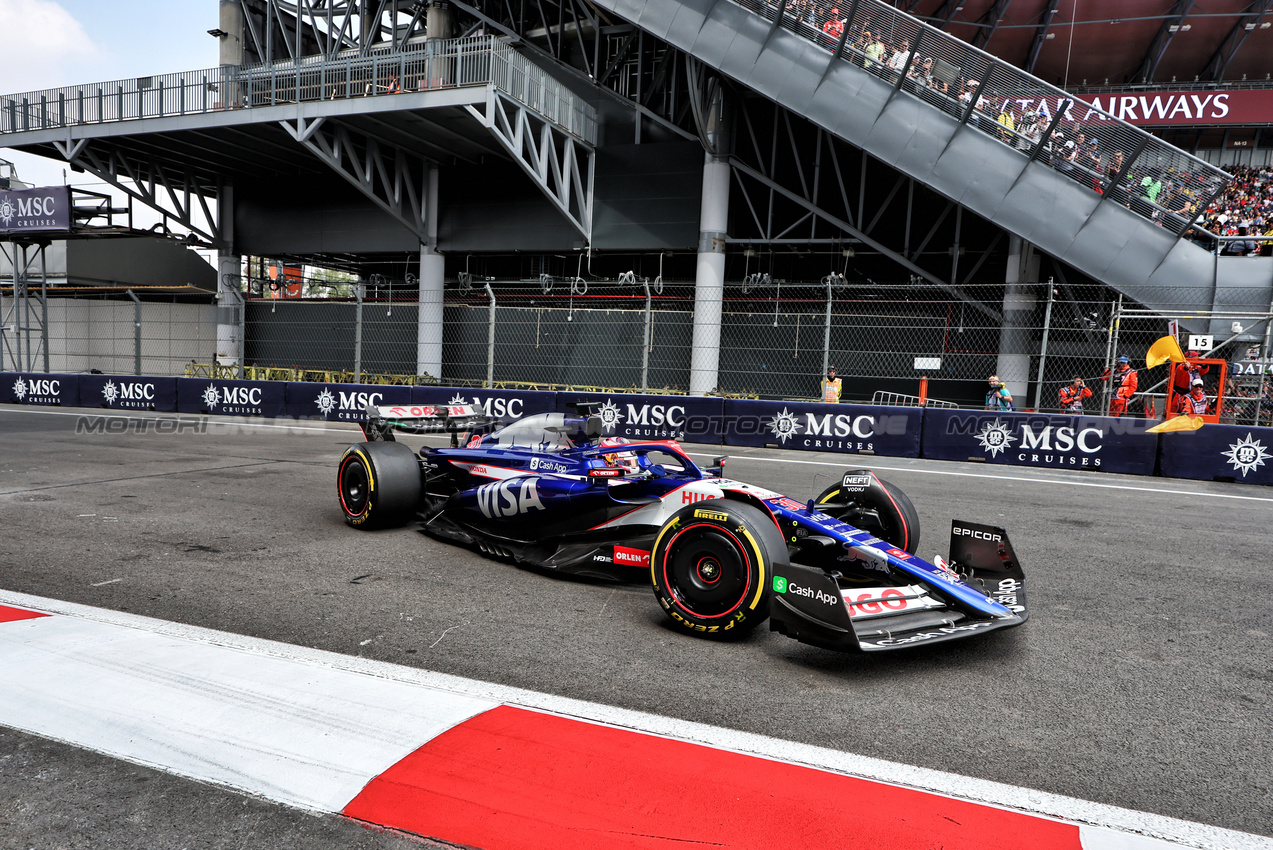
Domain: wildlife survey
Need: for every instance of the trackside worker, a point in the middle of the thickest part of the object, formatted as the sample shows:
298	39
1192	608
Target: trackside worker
832	387
1183	374
998	397
1073	395
1125	378
1195	403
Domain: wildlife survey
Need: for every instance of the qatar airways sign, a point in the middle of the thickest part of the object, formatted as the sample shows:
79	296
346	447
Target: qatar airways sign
34	210
1159	109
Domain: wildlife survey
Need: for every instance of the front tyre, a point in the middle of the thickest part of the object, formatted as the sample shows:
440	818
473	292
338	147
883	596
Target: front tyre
879	507
378	484
712	567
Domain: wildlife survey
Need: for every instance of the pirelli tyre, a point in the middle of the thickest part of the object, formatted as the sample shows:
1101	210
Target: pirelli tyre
874	505
712	567
379	484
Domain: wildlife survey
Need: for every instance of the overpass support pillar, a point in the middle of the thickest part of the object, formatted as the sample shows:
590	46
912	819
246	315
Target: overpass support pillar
1016	336
709	281
432	275
230	299
229	308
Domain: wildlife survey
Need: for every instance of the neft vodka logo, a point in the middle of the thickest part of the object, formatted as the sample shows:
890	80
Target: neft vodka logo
1047	446
38	390
1246	455
136	395
234	400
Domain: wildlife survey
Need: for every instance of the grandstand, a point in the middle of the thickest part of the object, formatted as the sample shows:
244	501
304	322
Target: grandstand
705	195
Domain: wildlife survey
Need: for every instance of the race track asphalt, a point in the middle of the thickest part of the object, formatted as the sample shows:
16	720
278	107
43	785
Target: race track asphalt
1142	679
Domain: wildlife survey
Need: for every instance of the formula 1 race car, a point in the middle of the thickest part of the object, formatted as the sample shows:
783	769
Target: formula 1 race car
549	492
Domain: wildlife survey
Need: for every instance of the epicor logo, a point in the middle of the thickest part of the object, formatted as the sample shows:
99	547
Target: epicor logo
962	531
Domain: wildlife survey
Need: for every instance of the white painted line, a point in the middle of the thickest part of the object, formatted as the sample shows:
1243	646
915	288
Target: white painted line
277	727
857	461
104	583
1106	827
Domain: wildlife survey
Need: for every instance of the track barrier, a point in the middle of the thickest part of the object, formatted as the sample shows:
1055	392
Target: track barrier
1050	441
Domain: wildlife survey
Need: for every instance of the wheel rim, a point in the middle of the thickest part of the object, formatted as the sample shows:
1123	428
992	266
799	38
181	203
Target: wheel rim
707	571
860	517
355	488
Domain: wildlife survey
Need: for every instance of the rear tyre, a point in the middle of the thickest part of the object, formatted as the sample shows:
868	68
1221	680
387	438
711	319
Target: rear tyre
378	484
712	567
885	511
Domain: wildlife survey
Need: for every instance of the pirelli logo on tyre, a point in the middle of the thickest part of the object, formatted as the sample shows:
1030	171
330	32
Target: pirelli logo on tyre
715	516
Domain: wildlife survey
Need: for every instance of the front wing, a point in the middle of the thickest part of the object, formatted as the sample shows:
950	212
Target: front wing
811	606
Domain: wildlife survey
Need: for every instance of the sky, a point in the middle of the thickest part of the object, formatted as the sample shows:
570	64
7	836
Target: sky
52	43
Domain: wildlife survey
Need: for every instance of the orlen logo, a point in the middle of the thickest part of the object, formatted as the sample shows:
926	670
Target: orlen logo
632	557
962	531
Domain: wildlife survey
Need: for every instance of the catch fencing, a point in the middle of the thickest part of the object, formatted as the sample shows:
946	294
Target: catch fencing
635	335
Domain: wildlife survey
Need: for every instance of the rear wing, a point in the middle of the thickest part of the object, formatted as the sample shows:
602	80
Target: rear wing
381	422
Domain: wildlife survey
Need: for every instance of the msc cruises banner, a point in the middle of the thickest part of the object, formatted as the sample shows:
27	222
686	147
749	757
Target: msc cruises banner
230	398
500	404
39	388
128	392
1029	439
35	210
695	419
1227	452
340	402
850	428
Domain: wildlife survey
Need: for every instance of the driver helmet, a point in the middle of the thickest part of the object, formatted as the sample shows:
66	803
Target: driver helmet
626	460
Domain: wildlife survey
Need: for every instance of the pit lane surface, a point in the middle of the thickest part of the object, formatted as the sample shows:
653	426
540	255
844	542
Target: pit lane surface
1141	680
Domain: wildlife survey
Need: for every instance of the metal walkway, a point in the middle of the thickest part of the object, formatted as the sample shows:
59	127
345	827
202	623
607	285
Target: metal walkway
934	119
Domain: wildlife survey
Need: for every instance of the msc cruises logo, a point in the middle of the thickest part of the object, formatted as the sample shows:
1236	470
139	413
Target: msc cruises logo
610	415
1246	455
784	425
7	211
995	437
19	389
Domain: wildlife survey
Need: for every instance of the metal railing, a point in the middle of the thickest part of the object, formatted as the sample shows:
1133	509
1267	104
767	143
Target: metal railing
433	65
1043	123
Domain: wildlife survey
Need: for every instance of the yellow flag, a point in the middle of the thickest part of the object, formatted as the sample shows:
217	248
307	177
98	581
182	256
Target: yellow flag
1162	350
1180	423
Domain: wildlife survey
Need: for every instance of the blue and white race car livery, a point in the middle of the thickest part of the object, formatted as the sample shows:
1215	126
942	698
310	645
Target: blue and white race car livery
549	492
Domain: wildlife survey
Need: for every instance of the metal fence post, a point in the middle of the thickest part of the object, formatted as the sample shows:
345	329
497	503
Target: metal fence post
490	340
1043	349
648	341
136	332
826	328
358	291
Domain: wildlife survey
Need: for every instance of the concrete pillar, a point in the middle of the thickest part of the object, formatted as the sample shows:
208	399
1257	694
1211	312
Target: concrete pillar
232	25
432	274
229	272
439	20
229	341
231	52
709	280
1016	336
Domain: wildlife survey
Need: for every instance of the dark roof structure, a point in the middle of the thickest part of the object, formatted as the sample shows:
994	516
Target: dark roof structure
1085	43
